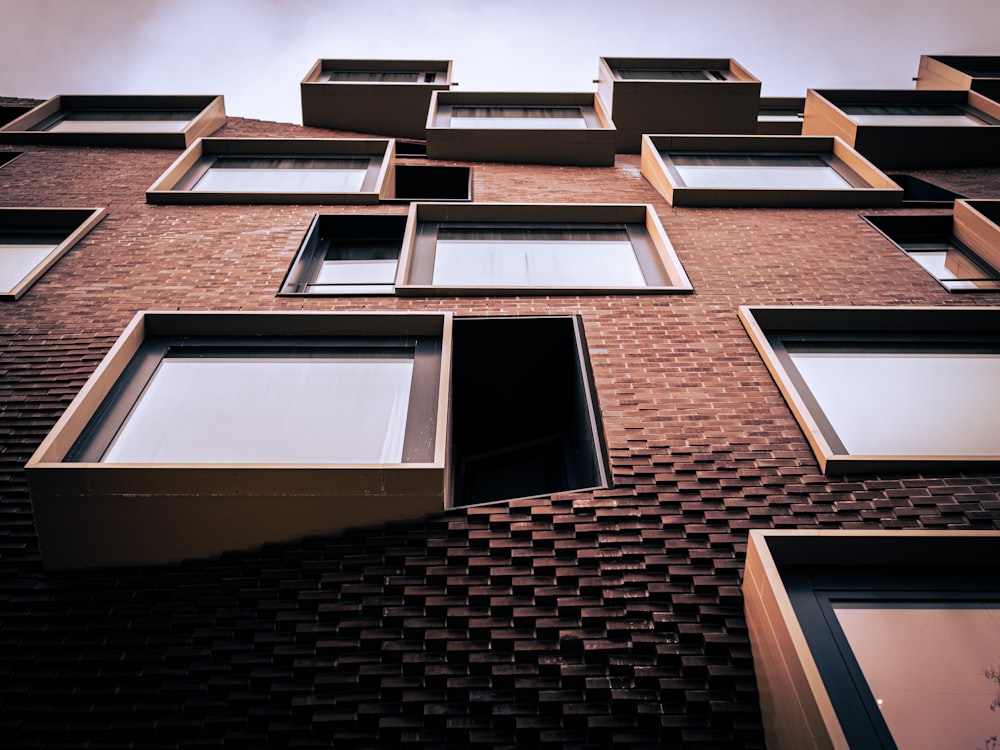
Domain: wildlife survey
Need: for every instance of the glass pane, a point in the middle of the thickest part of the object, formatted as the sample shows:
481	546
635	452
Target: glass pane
380	76
671	75
928	666
945	262
548	263
926	120
517	117
356	272
772	171
269	410
124	121
18	260
907	403
327	179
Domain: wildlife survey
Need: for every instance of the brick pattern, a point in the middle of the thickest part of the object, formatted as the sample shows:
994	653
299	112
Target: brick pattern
585	619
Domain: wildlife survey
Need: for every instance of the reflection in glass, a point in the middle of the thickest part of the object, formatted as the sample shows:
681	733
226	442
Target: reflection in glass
934	403
269	410
925	665
517	117
18	259
755	171
528	258
377	76
930	115
950	265
123	121
288	175
651	74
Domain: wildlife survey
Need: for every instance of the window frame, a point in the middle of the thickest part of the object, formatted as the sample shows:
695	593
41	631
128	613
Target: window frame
72	223
92	514
873	188
768	326
209	115
656	257
306	265
173	186
809	696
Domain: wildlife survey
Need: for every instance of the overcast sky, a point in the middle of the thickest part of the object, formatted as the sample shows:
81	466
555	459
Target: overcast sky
256	52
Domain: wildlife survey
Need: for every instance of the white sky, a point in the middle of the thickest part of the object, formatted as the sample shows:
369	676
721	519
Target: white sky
256	52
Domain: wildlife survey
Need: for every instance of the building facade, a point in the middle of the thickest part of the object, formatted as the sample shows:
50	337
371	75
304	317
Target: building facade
567	562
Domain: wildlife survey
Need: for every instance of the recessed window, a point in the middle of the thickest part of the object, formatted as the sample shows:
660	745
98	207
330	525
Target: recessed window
538	249
524	415
929	240
277	170
203	432
152	121
762	170
380	76
427	182
875	639
888	388
33	239
920	193
348	254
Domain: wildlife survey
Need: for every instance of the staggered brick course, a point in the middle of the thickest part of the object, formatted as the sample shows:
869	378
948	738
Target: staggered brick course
583	619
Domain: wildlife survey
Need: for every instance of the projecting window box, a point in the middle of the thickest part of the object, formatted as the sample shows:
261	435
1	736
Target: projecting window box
202	432
531	249
864	639
386	97
540	128
33	239
278	170
122	120
961	251
911	129
759	170
676	95
979	73
887	389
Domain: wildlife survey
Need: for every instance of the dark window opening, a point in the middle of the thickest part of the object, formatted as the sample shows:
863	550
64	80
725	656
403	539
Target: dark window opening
524	413
344	254
918	193
433	183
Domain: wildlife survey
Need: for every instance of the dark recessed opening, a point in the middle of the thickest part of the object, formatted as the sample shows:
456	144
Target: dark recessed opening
524	419
433	183
918	193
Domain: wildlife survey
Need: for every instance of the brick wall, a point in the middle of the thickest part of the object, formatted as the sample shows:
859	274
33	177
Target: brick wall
583	619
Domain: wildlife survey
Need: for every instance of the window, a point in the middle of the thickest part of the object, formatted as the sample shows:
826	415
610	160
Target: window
780	115
524	414
929	240
762	170
909	129
520	127
887	388
875	639
537	249
425	182
676	95
277	170
153	121
387	97
347	254
33	239
209	431
919	193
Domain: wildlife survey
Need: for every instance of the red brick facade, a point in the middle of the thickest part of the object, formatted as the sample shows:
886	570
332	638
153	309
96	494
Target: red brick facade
585	619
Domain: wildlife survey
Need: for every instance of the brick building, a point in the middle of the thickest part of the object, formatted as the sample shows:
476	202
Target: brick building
569	562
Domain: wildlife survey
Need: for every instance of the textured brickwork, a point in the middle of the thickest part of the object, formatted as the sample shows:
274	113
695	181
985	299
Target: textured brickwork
585	619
